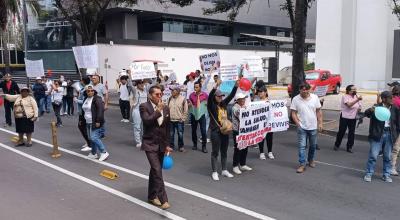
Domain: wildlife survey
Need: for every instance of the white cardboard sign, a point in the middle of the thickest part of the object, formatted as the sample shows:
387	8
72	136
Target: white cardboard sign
252	67
229	72
86	56
143	70
34	68
207	61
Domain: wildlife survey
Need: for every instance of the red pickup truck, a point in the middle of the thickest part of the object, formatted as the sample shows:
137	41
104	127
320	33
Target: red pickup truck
321	78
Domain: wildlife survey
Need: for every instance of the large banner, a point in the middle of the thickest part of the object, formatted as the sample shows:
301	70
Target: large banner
258	119
86	56
207	61
253	67
143	70
34	68
279	118
229	72
253	124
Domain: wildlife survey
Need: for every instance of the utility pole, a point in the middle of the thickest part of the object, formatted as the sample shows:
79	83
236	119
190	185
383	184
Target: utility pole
25	18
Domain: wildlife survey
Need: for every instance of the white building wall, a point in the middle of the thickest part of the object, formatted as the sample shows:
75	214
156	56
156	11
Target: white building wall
355	39
182	60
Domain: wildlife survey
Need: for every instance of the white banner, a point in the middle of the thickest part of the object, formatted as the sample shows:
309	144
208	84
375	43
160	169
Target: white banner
321	90
34	68
86	56
279	118
252	67
229	72
165	69
207	61
253	124
142	70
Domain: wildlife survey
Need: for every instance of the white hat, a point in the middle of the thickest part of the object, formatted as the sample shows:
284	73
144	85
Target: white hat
91	71
38	78
240	95
88	87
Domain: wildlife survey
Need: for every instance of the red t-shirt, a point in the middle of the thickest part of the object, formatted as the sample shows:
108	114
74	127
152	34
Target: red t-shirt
8	85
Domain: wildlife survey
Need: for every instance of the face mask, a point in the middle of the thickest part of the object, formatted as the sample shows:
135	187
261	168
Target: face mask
355	93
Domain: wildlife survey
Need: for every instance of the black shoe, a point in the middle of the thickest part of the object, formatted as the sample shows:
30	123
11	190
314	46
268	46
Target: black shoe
335	148
318	148
349	150
194	148
204	150
19	144
29	145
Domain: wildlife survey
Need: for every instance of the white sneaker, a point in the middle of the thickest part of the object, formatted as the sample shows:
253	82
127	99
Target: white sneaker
126	121
262	156
246	168
92	156
226	174
122	120
214	176
271	156
236	170
208	140
104	156
86	149
139	145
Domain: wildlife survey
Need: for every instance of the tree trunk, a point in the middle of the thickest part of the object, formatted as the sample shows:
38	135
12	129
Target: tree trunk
299	36
6	52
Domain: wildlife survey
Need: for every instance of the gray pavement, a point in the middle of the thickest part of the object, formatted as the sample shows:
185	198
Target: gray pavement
333	190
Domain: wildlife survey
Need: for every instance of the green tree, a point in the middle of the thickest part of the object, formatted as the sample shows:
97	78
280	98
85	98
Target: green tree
8	9
396	8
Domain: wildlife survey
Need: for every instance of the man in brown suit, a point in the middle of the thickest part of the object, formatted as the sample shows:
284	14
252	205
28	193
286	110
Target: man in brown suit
156	140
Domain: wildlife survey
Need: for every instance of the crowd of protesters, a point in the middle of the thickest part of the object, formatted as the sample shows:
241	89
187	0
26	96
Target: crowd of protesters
203	105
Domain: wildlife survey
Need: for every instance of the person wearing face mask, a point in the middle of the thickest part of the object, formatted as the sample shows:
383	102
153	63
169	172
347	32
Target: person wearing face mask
350	106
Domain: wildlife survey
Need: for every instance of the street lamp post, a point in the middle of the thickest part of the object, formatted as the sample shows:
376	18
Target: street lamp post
25	17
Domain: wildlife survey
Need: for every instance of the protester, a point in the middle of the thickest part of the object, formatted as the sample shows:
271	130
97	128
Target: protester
64	84
198	110
93	115
179	112
396	146
70	98
47	99
239	155
350	106
57	92
219	141
156	125
307	115
9	87
82	124
102	92
262	93
39	92
125	91
25	113
382	132
190	85
139	97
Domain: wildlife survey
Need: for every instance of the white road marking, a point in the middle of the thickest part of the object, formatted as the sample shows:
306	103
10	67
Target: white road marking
96	184
171	185
340	166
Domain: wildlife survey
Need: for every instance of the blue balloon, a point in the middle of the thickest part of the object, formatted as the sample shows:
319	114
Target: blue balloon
382	113
168	162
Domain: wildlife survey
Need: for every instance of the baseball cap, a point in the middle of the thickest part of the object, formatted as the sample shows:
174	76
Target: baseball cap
219	93
25	88
88	87
38	78
240	95
386	94
394	83
192	74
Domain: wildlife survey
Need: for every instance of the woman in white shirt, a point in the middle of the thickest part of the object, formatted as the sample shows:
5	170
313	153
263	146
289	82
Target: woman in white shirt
57	92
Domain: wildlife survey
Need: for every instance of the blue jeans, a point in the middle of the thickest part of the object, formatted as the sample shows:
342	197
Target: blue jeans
376	146
47	103
41	102
203	129
137	125
179	127
302	136
95	139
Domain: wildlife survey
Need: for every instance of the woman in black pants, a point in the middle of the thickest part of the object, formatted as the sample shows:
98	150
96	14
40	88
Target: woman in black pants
350	106
262	93
219	142
70	98
239	155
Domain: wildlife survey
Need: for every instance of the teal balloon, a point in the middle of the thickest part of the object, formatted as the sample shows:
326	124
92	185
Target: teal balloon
382	113
168	162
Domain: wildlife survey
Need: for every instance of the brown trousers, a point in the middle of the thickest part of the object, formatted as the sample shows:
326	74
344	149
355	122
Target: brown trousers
156	182
395	152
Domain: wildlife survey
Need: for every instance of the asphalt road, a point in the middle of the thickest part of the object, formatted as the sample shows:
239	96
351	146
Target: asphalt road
35	186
